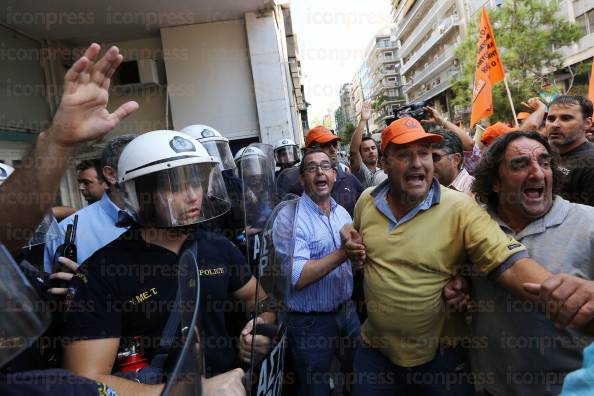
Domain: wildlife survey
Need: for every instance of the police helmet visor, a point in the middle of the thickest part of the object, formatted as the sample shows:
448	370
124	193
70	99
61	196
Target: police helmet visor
286	155
24	317
220	149
179	196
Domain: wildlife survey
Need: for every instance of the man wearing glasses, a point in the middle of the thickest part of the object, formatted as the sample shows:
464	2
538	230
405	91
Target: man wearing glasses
322	316
448	162
347	188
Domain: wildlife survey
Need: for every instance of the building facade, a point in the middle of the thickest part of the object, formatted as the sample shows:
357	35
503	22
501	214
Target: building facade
232	65
428	31
378	80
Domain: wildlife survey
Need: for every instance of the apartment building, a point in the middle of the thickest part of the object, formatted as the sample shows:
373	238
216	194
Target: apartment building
232	65
428	32
378	80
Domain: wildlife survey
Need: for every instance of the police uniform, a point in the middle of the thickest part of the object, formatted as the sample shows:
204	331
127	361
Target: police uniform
128	289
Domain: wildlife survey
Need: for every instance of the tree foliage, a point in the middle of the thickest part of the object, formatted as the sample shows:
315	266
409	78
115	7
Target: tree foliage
347	133
527	33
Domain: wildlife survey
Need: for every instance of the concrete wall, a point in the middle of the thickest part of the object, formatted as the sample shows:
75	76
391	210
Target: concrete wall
214	84
23	88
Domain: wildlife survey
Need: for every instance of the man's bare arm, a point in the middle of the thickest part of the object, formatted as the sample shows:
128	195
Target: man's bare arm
94	359
525	270
354	154
82	116
534	120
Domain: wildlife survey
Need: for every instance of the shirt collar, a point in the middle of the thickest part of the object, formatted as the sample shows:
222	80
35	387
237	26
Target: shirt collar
382	189
314	206
379	195
555	216
109	207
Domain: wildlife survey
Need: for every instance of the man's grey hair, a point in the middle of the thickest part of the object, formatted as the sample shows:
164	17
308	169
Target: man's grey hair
113	149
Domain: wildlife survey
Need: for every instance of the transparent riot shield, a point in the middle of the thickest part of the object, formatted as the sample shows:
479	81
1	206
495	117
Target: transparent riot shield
187	374
273	280
258	195
23	314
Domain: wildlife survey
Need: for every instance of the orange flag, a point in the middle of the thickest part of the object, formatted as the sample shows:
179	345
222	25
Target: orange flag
591	89
489	70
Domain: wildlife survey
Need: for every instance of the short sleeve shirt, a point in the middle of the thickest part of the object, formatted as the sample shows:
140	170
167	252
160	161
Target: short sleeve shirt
128	289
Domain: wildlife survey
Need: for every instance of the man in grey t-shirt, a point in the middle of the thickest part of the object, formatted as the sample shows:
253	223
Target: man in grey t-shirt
518	351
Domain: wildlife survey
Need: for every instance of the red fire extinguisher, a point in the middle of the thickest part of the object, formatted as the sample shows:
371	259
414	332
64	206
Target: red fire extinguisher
130	359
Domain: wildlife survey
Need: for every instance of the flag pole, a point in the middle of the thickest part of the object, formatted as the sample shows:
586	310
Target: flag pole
511	102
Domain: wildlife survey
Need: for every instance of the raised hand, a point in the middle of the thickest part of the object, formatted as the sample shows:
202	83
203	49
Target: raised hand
82	115
432	116
366	111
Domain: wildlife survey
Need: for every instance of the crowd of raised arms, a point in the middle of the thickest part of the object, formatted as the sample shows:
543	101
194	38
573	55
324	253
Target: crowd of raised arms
433	262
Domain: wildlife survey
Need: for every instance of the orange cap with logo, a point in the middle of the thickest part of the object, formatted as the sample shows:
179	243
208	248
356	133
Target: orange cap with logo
522	115
320	134
494	131
406	130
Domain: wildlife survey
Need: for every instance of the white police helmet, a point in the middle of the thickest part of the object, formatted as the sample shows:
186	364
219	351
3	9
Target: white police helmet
168	179
216	144
286	153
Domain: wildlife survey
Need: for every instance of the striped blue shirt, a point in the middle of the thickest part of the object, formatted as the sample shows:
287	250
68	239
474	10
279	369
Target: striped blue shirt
316	236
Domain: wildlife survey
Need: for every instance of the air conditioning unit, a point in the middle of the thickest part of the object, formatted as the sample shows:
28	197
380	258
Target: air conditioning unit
137	73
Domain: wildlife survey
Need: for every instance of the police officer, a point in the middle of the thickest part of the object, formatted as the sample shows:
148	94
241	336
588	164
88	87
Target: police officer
231	223
127	289
286	154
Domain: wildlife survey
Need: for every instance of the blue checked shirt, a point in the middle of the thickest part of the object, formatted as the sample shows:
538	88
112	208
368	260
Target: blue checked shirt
316	236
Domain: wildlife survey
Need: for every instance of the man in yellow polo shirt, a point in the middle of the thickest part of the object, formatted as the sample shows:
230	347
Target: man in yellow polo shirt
418	235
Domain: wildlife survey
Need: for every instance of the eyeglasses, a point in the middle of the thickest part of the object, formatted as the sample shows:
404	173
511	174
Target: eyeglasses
313	167
437	157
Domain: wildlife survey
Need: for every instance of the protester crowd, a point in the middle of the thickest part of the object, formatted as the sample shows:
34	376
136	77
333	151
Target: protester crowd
433	262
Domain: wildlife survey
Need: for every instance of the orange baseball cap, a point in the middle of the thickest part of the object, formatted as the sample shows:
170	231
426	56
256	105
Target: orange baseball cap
522	115
494	131
320	134
406	130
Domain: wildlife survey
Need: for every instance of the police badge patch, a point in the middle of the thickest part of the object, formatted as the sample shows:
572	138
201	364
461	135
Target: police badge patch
206	133
181	145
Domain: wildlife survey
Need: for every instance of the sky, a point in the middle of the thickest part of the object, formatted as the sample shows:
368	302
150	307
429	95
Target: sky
332	36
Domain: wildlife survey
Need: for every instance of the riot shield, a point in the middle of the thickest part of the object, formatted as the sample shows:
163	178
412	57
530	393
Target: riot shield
23	315
274	276
258	195
186	377
273	281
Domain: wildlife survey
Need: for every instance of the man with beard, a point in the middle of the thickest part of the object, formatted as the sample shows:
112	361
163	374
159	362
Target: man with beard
169	184
568	121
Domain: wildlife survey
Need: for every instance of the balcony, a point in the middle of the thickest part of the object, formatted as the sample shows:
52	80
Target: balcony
411	16
382	85
439	88
446	27
444	58
424	25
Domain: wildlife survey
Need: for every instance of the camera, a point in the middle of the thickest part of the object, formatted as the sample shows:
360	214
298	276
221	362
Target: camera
413	110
